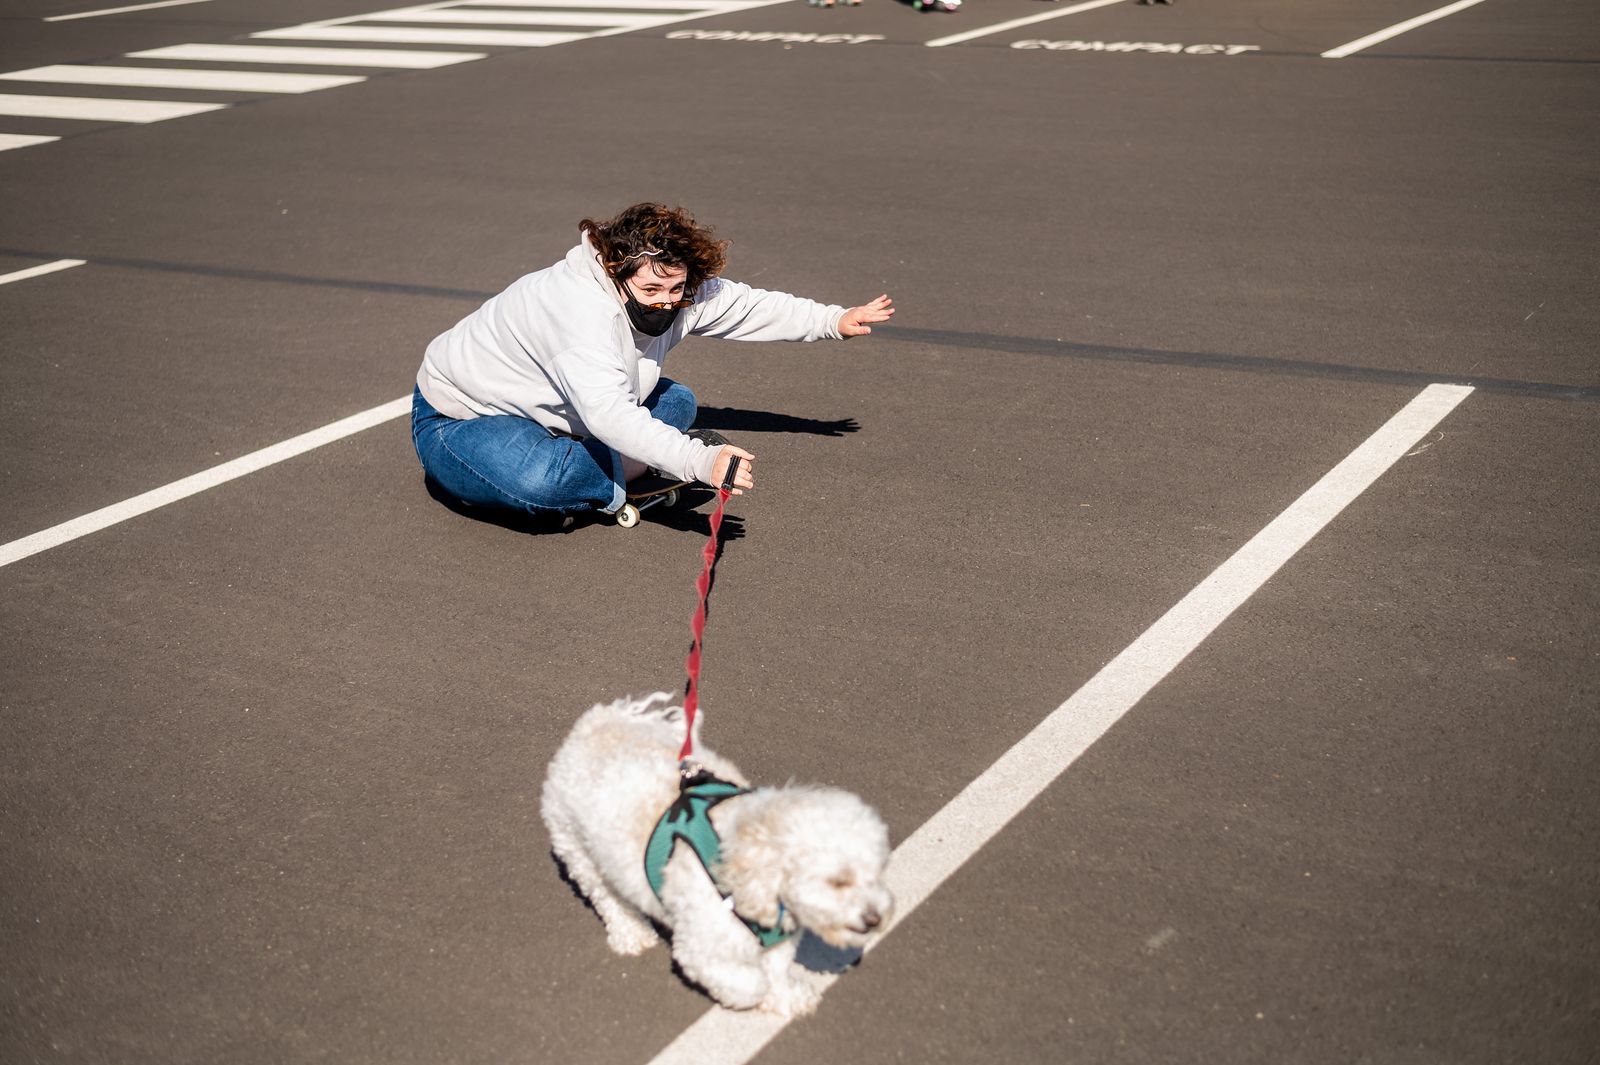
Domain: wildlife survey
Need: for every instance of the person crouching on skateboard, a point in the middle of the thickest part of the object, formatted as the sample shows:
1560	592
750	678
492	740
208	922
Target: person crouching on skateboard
549	398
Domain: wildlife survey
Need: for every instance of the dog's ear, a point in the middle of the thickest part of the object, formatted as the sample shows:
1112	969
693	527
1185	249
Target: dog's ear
752	870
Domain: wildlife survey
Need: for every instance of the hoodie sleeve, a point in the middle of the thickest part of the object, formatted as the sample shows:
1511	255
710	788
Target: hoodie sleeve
732	310
598	388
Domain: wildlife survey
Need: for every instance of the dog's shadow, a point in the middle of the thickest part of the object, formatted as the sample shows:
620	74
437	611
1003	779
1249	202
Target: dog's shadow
811	953
820	957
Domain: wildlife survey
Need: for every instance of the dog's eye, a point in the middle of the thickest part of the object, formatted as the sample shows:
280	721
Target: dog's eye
841	881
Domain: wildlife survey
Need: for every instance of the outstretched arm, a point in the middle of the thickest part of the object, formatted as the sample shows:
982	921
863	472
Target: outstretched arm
857	321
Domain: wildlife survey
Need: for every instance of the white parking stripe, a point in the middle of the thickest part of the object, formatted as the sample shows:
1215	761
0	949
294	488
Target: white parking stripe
68	531
22	140
1397	29
310	57
401	35
953	835
46	268
178	78
120	10
999	27
91	109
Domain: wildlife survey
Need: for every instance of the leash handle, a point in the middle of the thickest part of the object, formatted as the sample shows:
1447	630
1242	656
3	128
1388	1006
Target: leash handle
691	694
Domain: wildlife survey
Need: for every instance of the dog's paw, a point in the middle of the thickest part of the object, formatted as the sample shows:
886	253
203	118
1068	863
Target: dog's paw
791	998
631	939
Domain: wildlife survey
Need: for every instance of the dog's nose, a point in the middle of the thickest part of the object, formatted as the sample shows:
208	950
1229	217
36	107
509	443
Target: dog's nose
871	919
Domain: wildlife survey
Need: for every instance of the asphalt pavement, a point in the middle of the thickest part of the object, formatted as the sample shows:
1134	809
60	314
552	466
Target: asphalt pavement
270	753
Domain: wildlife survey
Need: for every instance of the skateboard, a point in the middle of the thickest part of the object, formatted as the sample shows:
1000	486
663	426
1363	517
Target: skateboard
648	491
654	489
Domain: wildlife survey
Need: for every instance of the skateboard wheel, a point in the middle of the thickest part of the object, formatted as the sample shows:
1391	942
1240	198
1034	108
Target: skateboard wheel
628	516
671	499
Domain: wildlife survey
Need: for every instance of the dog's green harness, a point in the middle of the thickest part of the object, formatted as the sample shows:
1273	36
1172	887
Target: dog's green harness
689	819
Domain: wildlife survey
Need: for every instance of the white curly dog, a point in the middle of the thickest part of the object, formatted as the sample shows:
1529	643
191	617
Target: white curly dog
782	860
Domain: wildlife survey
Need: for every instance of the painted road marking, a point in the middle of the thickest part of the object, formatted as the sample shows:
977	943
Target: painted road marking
45	268
120	10
90	109
453	22
470	19
177	78
400	35
68	531
1000	27
774	35
1136	46
678	6
22	140
1397	29
953	835
585	17
310	57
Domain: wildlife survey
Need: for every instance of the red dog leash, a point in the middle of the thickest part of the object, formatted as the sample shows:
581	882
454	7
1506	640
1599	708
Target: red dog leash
691	695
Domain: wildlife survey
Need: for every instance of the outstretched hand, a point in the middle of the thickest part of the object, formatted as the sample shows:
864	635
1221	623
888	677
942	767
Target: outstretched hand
744	478
857	321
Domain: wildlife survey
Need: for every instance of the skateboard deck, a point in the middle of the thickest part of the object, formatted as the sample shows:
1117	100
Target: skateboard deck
653	484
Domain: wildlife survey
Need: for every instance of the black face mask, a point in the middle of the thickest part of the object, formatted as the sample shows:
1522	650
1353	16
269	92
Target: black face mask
651	321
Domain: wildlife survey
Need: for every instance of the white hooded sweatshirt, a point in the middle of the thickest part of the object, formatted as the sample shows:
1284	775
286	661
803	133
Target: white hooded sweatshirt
556	346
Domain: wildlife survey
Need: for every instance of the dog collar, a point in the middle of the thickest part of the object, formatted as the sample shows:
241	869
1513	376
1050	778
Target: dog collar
689	819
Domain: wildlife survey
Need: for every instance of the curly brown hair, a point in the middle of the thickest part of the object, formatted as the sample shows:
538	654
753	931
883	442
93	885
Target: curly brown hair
654	232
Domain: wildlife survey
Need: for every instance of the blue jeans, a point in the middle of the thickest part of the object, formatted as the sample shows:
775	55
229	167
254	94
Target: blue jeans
516	463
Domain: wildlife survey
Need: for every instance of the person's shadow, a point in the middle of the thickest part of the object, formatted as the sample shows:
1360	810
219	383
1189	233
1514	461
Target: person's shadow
684	517
679	517
735	420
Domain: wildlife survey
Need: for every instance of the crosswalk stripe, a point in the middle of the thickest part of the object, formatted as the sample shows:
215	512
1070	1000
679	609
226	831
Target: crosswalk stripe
99	110
176	78
548	17
463	23
22	140
401	35
310	57
683	6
